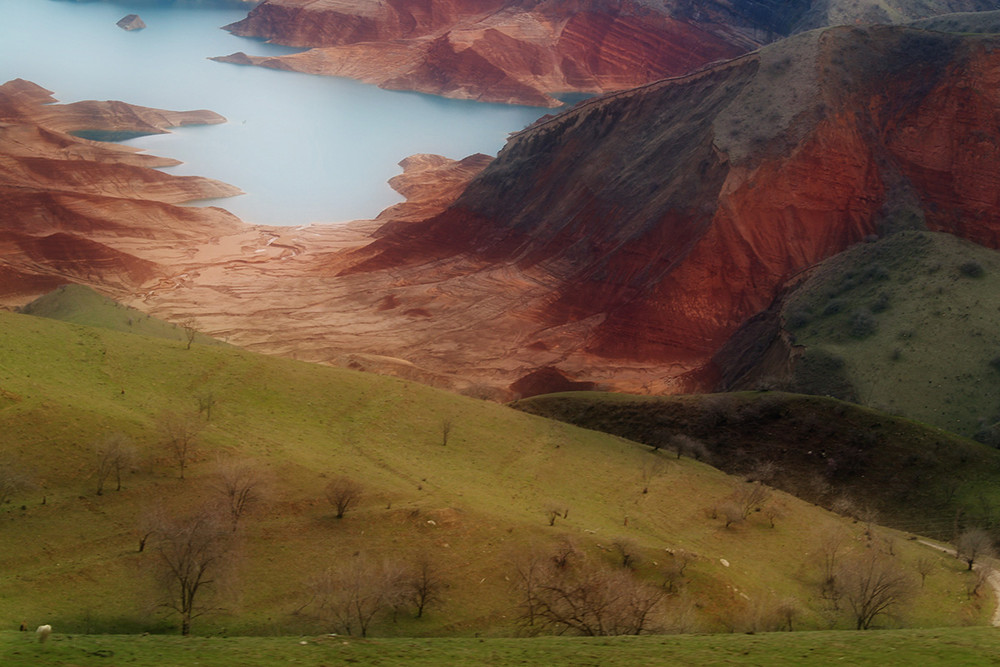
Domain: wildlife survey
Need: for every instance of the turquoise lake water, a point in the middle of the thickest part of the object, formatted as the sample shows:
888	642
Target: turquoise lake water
304	148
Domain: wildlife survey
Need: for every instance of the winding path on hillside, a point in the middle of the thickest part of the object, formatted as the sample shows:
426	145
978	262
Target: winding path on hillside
993	578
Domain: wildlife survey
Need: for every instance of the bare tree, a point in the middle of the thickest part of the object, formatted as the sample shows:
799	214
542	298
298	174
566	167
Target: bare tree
685	445
745	499
352	597
554	510
206	402
627	550
981	576
973	545
343	493
731	513
925	565
13	480
530	571
240	486
588	598
193	553
872	583
673	572
179	433
151	522
828	554
750	497
190	332
650	470
422	584
773	512
787	610
446	426
113	454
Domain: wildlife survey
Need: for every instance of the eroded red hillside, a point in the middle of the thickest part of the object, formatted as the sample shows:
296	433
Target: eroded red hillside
664	217
73	210
514	52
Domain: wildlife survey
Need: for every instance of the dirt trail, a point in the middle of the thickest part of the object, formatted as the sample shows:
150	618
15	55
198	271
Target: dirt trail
993	578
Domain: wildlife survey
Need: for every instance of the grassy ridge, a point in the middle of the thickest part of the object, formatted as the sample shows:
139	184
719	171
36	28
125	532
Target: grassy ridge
70	557
916	477
911	323
78	304
954	646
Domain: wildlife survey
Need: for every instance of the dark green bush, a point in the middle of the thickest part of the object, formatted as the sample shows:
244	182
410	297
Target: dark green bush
972	269
862	324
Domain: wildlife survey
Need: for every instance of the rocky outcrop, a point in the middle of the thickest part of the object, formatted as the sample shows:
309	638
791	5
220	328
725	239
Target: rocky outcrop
131	22
521	52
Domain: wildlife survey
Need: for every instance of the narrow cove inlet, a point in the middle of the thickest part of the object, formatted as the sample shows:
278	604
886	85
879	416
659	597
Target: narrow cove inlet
303	148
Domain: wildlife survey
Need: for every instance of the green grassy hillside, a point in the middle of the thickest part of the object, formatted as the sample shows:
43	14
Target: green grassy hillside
954	646
845	457
79	304
909	325
473	507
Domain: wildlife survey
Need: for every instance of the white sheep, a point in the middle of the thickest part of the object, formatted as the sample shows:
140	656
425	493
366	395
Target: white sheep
43	632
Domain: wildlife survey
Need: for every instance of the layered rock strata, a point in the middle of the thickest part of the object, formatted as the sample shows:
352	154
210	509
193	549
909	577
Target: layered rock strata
512	52
76	210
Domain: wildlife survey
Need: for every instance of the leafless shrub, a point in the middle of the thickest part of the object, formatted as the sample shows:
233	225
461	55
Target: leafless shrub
179	433
973	545
352	596
206	402
239	485
832	546
627	551
872	583
589	599
673	571
190	331
13	480
924	566
343	493
745	499
447	424
683	445
113	454
554	510
980	577
650	470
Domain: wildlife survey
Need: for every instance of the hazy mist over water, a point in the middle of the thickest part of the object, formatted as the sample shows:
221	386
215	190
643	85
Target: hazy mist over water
304	148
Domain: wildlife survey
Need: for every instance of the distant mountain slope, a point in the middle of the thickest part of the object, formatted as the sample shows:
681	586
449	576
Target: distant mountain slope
972	22
850	12
908	324
662	218
519	52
